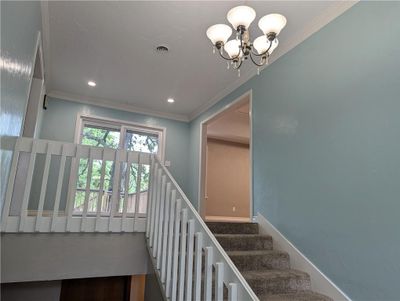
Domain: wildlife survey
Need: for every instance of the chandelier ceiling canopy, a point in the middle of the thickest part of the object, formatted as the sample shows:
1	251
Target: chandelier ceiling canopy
239	49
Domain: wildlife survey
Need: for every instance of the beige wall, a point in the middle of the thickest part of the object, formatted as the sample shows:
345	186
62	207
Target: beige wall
227	180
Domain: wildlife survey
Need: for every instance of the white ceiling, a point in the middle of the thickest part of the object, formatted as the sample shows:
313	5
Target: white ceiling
113	43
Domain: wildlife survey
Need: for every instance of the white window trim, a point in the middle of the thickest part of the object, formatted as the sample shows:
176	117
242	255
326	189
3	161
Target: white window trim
83	119
121	125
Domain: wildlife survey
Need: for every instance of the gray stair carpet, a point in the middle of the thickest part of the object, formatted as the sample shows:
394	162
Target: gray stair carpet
266	270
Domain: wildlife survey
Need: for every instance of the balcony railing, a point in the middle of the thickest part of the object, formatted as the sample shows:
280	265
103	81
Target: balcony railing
43	193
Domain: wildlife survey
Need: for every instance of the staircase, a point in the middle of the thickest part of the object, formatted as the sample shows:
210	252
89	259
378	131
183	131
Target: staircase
267	271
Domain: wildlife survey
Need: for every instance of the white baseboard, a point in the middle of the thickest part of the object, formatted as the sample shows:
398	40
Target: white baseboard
319	282
236	219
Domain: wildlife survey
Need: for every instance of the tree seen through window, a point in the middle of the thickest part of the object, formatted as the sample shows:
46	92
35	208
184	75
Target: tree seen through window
110	138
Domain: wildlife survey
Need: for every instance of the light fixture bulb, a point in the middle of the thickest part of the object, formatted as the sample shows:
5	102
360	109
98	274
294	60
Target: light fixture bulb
219	33
170	100
272	23
232	48
241	16
261	44
91	83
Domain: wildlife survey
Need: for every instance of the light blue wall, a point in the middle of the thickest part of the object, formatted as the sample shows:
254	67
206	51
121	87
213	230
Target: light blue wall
20	23
60	118
326	134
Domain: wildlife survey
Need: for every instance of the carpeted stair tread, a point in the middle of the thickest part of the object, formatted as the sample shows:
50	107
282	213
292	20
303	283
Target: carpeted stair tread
302	296
255	252
243	242
260	260
266	270
277	281
232	228
274	274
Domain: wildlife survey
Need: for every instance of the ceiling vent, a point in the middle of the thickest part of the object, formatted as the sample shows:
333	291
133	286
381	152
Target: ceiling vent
162	49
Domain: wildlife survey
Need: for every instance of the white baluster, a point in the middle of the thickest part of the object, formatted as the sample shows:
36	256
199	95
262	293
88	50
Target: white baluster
232	292
10	184
115	196
137	195
197	265
101	190
150	196
59	188
165	233
182	255
175	250
152	213
28	185
189	263
170	243
208	273
126	194
87	191
157	216
43	187
72	186
161	222
219	278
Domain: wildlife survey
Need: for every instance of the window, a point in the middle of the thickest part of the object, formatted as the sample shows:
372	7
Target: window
112	134
100	136
140	142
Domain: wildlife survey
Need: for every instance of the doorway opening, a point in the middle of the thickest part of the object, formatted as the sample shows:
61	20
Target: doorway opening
225	192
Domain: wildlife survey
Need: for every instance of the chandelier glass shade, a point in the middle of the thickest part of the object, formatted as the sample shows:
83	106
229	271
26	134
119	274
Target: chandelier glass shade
262	45
241	48
233	50
272	23
241	16
219	33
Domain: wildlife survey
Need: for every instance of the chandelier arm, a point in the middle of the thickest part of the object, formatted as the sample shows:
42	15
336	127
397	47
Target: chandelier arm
225	58
238	66
257	64
264	53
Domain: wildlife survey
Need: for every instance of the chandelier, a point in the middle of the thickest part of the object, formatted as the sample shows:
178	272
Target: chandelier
239	49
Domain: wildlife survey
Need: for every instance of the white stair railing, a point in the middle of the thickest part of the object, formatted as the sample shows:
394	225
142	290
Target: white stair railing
189	262
100	210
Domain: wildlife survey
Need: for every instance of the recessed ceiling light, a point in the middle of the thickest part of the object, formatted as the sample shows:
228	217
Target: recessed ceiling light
171	100
91	83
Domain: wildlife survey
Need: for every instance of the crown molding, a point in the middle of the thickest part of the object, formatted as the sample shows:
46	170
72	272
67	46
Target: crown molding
332	12
110	104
